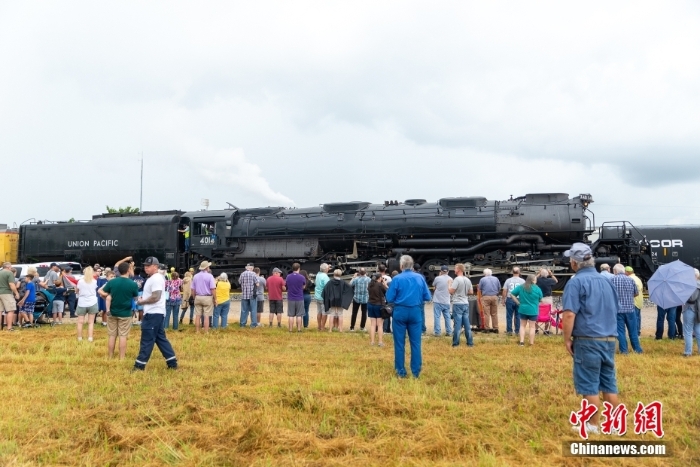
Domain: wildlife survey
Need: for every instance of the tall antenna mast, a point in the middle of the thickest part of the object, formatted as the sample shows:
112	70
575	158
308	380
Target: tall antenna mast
141	196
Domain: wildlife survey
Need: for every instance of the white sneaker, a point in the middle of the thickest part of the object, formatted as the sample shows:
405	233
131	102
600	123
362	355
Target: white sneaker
89	339
591	429
80	338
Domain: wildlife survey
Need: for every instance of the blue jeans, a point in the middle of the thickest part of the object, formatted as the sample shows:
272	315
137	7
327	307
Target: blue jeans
187	244
630	321
171	308
594	367
512	316
670	315
690	325
152	333
461	314
387	325
422	314
221	312
408	319
184	310
440	311
638	314
249	306
307	302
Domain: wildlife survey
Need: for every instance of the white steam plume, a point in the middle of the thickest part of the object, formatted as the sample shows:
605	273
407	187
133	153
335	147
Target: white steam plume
231	167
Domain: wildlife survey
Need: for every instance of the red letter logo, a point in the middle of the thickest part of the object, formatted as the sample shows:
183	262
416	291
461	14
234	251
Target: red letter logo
582	416
649	419
614	419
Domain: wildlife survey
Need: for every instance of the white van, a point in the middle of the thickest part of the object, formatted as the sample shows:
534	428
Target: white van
42	269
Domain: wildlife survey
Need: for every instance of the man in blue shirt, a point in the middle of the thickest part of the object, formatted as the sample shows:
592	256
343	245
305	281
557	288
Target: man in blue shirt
626	317
407	292
590	330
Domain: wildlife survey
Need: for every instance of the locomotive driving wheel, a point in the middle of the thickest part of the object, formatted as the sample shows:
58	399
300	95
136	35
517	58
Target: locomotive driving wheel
431	269
283	266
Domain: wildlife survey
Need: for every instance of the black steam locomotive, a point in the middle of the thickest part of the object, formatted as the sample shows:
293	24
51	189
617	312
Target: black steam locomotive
531	231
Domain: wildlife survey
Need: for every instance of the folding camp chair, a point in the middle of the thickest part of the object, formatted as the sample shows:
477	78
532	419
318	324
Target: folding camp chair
544	317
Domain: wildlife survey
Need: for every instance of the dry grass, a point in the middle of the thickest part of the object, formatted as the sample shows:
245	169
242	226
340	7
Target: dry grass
266	397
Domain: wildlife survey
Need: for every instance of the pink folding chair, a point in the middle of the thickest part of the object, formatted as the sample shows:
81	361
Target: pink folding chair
544	317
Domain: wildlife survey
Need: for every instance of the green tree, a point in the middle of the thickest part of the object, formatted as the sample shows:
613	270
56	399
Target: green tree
126	210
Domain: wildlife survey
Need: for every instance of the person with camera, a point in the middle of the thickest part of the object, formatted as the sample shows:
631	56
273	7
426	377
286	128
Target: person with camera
69	282
377	291
408	293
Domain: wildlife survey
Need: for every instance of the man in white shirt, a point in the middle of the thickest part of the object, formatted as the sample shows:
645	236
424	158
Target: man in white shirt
511	305
152	331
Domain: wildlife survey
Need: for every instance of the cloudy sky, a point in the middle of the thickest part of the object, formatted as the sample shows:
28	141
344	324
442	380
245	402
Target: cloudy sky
301	103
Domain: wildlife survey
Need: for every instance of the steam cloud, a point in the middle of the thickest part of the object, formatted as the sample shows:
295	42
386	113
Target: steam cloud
231	167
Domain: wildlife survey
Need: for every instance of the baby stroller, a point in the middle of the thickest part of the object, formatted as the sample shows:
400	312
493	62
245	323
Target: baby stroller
42	308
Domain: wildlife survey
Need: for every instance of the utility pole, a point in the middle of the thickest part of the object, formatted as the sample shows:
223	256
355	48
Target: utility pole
141	196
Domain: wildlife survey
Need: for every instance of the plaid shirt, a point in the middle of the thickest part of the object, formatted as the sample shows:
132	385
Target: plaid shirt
626	290
248	281
361	284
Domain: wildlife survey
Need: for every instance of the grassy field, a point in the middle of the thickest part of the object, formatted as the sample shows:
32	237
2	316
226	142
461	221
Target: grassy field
266	397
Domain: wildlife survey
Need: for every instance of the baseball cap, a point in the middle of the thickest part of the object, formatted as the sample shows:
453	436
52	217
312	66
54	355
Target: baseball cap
151	261
579	252
162	267
629	269
67	267
444	268
276	270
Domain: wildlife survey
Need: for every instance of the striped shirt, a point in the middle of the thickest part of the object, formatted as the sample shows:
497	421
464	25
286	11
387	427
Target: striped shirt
626	290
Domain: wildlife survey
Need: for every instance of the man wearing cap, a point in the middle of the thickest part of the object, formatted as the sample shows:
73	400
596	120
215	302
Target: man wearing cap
152	330
203	290
626	292
275	286
69	282
590	331
249	301
441	302
51	277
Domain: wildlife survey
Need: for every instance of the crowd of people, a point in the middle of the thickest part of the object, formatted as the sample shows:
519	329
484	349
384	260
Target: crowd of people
123	299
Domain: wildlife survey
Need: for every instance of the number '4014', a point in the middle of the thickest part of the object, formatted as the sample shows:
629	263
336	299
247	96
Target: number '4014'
206	241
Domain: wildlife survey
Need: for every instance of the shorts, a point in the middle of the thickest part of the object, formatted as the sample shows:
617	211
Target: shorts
335	311
117	326
57	307
204	305
295	308
374	311
594	367
527	317
276	306
28	307
86	310
319	307
261	306
7	302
